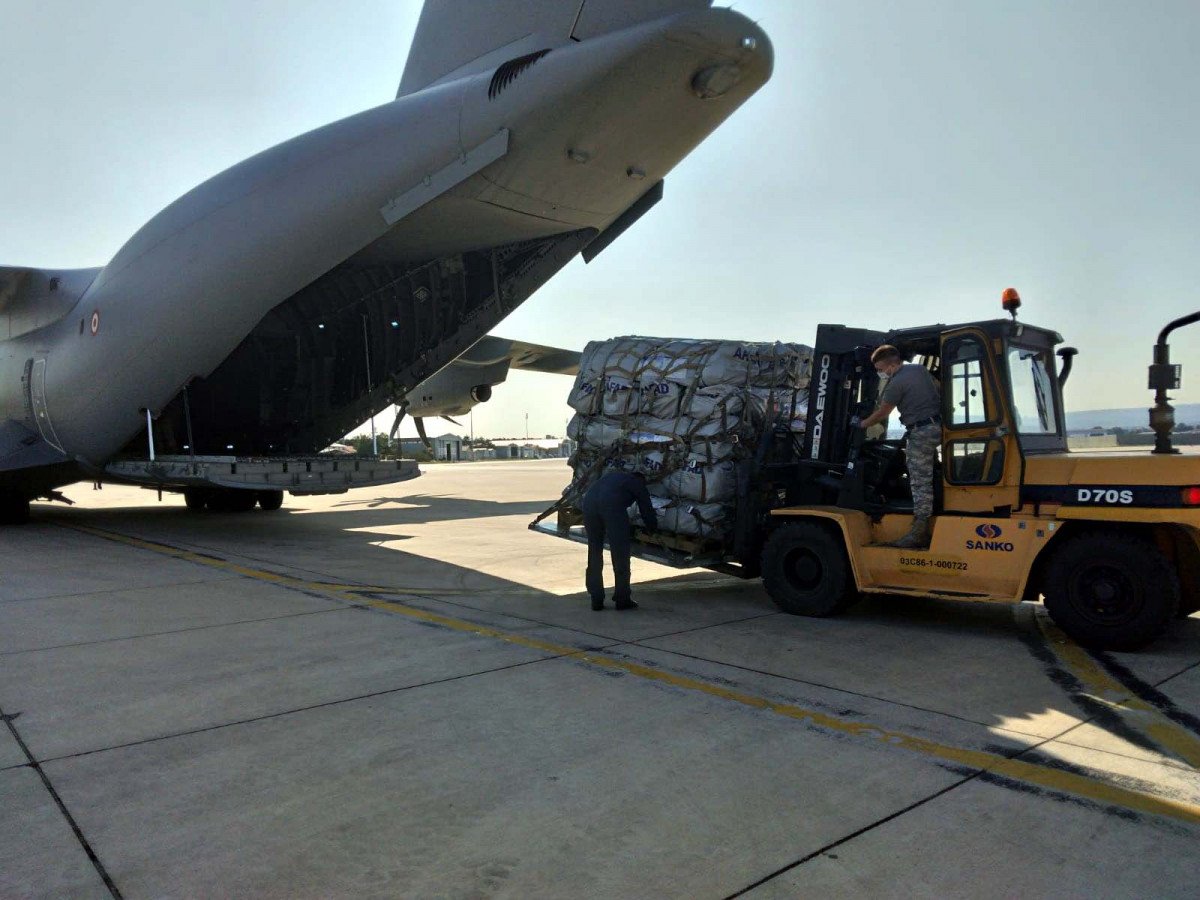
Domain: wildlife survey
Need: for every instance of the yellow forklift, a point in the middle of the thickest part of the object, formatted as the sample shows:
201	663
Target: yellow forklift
1110	539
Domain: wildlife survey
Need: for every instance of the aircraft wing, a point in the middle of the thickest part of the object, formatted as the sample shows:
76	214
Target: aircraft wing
469	379
492	349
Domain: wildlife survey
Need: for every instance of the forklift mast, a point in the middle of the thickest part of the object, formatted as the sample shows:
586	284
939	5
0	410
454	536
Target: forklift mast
843	384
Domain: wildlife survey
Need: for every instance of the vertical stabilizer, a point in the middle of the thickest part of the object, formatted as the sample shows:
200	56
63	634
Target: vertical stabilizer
454	38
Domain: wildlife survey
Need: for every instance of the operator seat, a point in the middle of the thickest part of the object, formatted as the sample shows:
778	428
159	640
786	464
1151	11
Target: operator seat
884	472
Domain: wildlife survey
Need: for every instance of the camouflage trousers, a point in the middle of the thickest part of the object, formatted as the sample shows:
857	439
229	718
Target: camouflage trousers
921	451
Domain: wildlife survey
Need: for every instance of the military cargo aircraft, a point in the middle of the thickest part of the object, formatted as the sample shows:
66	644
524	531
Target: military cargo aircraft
276	306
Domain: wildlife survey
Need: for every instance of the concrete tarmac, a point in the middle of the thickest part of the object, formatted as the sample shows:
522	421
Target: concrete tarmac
403	692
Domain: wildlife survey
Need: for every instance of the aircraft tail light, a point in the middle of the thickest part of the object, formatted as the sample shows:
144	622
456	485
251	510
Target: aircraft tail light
713	81
1191	496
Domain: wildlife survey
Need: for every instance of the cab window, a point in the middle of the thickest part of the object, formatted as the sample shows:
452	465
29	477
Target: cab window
962	382
1032	391
974	461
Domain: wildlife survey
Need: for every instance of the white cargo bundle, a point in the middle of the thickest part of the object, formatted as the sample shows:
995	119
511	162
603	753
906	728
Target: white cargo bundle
699	480
703	520
682	412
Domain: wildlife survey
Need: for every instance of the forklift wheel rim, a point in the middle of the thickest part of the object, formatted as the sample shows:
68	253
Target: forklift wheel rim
803	569
1105	594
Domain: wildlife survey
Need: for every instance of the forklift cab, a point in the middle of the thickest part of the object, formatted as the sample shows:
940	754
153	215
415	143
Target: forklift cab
1001	401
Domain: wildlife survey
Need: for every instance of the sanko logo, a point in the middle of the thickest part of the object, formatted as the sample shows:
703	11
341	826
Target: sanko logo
990	532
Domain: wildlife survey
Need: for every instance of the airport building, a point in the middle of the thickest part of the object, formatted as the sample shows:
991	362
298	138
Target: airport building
445	448
534	448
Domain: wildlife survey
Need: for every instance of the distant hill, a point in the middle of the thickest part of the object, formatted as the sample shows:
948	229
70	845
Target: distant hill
1133	417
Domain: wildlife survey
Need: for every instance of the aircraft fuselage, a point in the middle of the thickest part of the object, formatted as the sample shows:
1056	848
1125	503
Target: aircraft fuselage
324	248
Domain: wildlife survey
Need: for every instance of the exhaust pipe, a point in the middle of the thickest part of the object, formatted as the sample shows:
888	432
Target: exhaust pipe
1165	377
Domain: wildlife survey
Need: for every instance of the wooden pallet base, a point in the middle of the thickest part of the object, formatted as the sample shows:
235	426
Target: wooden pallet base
683	543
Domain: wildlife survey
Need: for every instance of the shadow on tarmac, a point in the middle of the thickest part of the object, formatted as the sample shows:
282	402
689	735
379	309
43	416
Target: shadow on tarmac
923	652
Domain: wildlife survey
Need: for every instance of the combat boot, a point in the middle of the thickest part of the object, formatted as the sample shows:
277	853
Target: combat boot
917	537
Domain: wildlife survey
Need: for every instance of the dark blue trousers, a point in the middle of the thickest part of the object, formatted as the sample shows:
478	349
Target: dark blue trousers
612	524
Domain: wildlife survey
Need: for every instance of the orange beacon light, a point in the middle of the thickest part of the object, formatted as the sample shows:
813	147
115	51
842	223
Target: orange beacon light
1011	301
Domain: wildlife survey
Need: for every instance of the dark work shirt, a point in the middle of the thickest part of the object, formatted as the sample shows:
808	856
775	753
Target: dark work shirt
912	391
618	491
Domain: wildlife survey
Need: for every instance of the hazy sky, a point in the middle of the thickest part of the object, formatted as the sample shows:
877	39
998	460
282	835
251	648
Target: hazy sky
907	161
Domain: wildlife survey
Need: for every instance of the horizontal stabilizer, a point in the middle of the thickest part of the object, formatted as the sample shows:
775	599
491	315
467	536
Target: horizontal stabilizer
12	281
33	298
454	38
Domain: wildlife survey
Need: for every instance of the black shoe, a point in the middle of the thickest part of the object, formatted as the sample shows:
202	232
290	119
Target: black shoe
626	604
597	605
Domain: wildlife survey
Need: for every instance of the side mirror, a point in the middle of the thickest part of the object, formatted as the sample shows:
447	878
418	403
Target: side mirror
1067	355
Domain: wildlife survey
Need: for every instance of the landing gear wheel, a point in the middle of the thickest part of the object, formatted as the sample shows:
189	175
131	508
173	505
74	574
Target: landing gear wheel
804	570
14	509
242	501
195	499
269	501
1111	592
232	500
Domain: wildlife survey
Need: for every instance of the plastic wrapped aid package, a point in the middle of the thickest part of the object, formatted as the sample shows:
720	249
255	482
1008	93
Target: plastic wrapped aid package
781	405
703	520
615	366
621	396
662	399
699	480
606	434
716	401
683	413
585	396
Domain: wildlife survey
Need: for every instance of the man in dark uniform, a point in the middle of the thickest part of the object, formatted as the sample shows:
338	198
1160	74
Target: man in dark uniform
605	514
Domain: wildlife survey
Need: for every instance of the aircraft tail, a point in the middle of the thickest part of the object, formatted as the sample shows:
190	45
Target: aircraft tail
456	38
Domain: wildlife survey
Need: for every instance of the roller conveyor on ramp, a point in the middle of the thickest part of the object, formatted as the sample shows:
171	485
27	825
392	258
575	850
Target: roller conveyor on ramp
298	475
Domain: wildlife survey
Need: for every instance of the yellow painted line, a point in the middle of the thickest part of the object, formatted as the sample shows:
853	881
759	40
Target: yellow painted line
1146	717
345	593
258	574
1031	773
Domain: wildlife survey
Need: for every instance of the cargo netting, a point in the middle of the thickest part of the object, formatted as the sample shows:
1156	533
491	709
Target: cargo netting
684	413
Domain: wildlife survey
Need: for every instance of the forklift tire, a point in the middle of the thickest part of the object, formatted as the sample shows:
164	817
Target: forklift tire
805	572
1111	591
195	499
269	501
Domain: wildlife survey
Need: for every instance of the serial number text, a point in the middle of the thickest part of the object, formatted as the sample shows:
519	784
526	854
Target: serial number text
923	563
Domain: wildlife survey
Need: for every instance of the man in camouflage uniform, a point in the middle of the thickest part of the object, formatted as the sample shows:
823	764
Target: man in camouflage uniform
911	388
